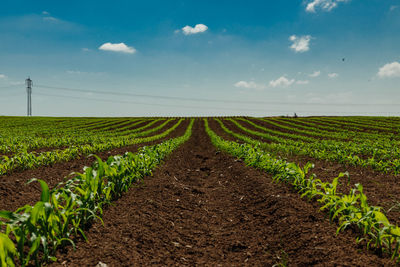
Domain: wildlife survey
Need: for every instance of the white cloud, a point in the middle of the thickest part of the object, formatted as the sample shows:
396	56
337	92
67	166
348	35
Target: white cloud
302	82
390	70
85	49
249	85
333	75
315	74
199	28
325	5
281	82
300	43
51	19
121	48
2	76
392	8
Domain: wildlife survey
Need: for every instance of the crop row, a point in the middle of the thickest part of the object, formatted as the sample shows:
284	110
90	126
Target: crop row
338	134
20	142
388	123
347	153
349	210
62	213
367	139
355	124
29	160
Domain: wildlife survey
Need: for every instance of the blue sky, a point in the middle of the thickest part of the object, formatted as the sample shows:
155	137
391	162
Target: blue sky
257	58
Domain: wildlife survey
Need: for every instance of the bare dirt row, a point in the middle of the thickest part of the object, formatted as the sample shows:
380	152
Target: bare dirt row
204	207
14	192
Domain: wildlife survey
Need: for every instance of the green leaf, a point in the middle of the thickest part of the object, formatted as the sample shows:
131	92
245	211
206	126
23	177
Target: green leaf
7	215
7	251
45	196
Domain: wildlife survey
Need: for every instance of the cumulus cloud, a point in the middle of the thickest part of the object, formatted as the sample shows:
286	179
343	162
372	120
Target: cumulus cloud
325	5
281	82
333	75
315	74
390	70
121	48
300	44
2	76
199	28
249	85
302	82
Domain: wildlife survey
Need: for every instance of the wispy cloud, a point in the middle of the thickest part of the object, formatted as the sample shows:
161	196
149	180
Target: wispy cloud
300	44
281	82
47	17
118	47
336	98
325	5
51	19
393	7
2	76
249	85
333	75
390	70
302	82
78	72
41	23
315	74
199	28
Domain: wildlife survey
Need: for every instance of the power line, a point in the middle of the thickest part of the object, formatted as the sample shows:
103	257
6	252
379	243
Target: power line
146	104
12	94
9	86
211	100
198	107
150	96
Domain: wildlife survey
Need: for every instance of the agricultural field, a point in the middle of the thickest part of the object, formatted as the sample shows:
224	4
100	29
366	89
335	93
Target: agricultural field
221	191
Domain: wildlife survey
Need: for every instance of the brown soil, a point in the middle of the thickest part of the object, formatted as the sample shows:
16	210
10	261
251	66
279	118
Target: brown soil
115	124
15	193
203	207
141	124
381	189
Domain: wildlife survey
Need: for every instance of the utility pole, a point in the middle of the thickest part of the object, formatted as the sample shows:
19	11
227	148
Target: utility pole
28	83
